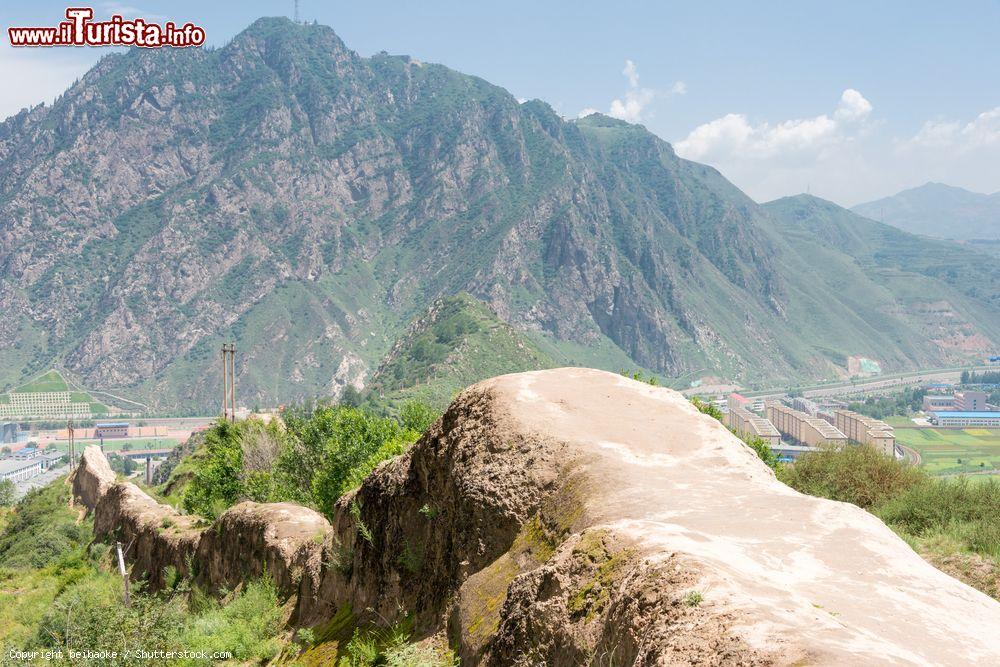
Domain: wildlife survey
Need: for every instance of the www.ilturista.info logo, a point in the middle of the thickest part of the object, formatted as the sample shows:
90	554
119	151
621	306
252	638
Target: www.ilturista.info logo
80	30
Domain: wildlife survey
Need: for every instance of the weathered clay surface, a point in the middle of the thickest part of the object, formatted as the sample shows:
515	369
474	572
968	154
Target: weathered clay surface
92	477
282	540
575	516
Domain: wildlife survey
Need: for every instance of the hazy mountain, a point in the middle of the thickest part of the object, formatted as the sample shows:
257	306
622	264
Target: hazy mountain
308	203
940	211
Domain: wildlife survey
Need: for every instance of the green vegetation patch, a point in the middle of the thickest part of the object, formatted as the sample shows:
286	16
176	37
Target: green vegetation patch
606	564
50	381
459	342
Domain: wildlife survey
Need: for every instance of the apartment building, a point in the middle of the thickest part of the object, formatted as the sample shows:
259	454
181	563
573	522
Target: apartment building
747	424
866	430
800	427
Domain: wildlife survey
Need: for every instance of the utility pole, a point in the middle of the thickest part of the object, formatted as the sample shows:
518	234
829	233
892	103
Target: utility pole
232	379
296	11
225	381
72	442
229	381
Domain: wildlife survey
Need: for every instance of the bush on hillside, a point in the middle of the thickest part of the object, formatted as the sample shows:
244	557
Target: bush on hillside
859	475
336	447
966	510
317	454
236	464
42	529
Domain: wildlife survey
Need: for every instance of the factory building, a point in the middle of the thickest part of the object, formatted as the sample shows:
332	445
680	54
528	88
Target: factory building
866	430
800	427
935	402
747	424
111	430
955	418
17	470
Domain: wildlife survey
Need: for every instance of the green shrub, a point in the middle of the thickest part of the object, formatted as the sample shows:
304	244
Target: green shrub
854	474
7	490
234	464
334	448
43	529
248	626
969	511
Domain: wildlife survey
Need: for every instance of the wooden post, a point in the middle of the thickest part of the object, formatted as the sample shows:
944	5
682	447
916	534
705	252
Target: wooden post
124	573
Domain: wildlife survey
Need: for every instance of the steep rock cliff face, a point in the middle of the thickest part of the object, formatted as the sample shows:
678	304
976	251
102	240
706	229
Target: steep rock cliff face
250	540
92	477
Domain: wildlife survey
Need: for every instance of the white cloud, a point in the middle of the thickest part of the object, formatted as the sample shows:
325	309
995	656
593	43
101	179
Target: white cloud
853	106
982	132
734	136
847	155
633	105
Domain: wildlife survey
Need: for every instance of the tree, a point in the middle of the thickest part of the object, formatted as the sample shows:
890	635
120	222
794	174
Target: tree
7	490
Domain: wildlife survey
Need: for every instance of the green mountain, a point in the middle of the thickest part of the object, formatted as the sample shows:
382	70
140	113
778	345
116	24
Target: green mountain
940	211
871	290
285	193
457	342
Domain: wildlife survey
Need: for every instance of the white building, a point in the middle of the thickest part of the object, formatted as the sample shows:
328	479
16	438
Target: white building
18	471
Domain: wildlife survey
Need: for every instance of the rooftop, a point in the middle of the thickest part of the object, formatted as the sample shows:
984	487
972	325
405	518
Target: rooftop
10	465
980	414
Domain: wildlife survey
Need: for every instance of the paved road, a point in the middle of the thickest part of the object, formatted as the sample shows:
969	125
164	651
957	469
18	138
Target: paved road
21	488
887	381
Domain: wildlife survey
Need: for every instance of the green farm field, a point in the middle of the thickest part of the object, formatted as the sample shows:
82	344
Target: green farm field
953	451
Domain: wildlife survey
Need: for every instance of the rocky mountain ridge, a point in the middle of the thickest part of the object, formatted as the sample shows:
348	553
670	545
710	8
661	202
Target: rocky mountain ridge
286	193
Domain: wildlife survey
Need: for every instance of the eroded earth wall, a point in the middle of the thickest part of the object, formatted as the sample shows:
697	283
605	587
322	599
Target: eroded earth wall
574	516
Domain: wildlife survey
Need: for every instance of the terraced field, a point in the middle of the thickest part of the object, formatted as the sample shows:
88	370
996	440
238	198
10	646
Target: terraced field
951	451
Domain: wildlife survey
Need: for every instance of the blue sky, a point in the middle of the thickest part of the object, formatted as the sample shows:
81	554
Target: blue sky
848	100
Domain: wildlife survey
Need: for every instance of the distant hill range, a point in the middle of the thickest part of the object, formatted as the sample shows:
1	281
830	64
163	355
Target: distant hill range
940	211
313	205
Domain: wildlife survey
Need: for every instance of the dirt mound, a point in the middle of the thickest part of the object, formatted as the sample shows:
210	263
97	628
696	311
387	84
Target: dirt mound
92	477
285	541
574	516
249	540
155	536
